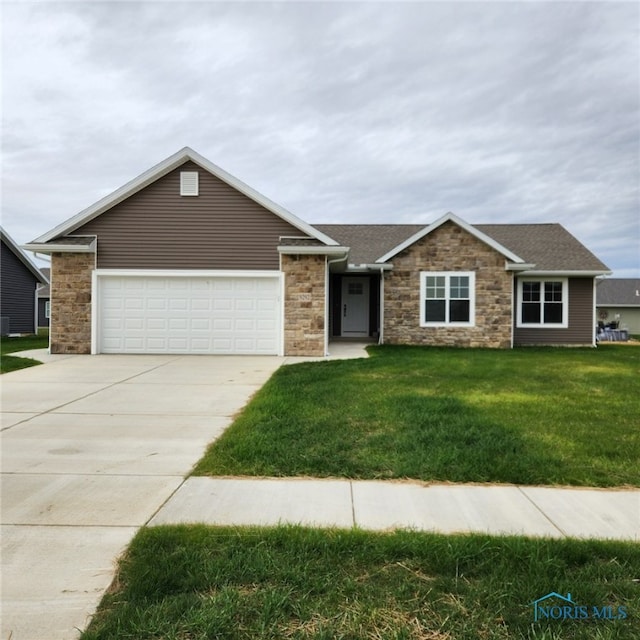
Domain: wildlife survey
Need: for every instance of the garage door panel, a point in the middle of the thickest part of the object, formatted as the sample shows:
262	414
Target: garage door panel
134	343
201	304
189	314
133	324
200	324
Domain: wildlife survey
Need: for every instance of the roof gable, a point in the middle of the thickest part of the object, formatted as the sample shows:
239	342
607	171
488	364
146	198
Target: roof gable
451	217
543	247
10	244
163	168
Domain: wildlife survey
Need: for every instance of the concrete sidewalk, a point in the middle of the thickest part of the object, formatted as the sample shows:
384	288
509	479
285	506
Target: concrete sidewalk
377	505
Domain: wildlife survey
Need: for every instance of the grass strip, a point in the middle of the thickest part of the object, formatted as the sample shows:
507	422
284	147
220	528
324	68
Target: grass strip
524	416
197	582
23	343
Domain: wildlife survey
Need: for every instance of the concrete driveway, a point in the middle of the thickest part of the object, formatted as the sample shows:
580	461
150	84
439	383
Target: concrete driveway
92	447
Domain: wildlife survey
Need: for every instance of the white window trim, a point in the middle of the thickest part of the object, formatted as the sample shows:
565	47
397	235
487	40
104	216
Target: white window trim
47	309
544	325
447	274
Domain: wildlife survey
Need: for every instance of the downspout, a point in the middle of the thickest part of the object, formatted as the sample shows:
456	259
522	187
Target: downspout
594	320
35	320
327	301
45	258
50	300
514	307
381	332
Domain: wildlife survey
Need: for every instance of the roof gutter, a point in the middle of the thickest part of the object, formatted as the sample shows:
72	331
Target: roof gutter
369	267
519	266
562	273
292	250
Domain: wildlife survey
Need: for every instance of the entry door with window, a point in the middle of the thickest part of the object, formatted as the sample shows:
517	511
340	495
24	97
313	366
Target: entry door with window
355	307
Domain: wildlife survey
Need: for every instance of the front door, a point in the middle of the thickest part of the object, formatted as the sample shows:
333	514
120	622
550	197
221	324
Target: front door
355	307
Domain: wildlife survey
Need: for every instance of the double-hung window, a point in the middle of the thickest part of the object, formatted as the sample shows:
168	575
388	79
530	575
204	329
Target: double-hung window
542	303
447	298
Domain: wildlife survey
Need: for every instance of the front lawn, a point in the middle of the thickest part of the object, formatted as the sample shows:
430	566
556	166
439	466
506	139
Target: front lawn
199	583
525	416
23	343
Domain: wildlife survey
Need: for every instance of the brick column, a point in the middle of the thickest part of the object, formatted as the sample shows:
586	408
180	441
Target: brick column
70	326
304	304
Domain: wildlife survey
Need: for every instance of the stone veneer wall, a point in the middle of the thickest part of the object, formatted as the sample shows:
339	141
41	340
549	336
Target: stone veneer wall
71	302
304	304
449	248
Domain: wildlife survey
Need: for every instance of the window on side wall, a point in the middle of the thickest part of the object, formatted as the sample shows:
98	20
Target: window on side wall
47	309
447	299
543	303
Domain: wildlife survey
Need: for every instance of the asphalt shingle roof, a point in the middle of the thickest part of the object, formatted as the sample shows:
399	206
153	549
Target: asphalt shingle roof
618	291
549	246
368	242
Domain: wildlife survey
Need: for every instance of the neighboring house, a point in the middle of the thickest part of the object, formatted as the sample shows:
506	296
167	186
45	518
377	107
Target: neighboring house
186	258
618	301
44	301
19	278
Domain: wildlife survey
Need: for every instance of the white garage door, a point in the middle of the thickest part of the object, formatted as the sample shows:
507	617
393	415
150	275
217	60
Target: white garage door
185	314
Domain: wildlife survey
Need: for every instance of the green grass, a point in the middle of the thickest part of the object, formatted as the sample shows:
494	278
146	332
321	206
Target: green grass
197	583
526	416
25	343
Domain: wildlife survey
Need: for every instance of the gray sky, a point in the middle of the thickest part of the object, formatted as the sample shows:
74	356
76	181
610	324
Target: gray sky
340	112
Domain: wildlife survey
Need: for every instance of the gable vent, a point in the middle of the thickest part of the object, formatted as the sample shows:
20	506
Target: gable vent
188	183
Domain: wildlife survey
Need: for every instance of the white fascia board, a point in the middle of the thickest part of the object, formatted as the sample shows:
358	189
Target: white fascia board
161	169
292	250
22	256
60	248
523	266
451	217
565	274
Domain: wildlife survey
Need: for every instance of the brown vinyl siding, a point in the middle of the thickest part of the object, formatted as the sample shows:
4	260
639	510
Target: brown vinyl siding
157	228
580	330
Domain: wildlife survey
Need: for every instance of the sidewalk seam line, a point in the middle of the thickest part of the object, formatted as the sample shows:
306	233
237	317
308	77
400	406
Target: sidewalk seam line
88	395
164	502
539	509
353	504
